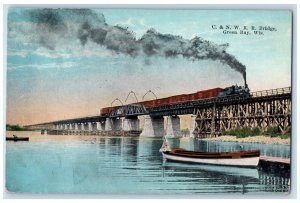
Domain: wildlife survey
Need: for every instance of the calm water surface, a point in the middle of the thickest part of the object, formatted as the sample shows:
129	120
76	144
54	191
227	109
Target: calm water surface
121	165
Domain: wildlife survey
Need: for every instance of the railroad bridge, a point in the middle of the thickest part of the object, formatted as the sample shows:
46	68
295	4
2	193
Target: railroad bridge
209	117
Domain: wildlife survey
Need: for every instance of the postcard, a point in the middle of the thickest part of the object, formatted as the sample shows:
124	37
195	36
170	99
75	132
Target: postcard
148	101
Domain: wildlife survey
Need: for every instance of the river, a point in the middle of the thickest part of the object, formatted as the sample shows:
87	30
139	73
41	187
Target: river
124	165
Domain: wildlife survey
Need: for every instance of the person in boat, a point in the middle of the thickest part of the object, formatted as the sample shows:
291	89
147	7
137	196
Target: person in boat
15	137
165	146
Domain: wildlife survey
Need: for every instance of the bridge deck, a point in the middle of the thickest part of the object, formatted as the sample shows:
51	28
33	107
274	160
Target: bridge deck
181	108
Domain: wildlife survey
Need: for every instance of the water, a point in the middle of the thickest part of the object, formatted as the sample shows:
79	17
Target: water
122	165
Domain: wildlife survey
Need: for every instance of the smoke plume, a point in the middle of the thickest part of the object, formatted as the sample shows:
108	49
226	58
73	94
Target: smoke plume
91	26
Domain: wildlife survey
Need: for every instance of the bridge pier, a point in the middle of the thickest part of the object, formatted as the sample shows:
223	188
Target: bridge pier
108	124
117	123
80	126
131	124
76	126
84	126
173	127
153	126
89	126
100	126
113	124
94	126
193	126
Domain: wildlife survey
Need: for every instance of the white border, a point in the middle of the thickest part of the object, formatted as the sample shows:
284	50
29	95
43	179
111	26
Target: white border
210	4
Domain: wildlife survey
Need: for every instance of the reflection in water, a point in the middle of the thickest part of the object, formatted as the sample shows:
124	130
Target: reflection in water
128	149
274	182
128	165
148	150
232	178
209	169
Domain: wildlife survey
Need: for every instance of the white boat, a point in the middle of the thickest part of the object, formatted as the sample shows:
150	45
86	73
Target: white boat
248	158
241	158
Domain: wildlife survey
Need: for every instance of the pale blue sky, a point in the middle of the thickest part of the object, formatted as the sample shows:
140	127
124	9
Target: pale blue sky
73	80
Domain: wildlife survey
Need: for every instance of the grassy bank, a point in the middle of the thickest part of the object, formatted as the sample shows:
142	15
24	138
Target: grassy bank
16	128
247	132
253	139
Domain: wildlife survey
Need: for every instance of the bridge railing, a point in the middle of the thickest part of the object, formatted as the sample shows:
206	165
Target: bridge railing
191	104
285	90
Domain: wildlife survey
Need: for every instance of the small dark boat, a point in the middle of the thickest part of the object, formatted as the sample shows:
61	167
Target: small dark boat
248	158
16	138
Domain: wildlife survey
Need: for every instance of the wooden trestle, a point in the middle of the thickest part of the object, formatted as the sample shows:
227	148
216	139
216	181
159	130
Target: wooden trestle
262	110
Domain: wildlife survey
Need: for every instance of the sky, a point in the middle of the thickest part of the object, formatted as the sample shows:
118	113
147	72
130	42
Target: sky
69	63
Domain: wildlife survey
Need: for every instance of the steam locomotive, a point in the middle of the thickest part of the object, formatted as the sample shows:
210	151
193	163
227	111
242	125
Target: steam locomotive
235	90
232	91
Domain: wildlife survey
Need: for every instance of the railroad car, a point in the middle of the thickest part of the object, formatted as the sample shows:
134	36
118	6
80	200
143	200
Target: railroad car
105	111
233	90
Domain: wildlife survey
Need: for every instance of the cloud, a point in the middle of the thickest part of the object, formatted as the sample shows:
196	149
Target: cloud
127	22
133	22
43	66
73	29
63	50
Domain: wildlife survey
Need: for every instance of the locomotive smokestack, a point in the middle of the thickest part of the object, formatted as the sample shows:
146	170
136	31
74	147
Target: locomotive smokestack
245	79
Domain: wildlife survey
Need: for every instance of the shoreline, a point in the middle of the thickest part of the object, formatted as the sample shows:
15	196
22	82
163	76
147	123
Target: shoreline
261	139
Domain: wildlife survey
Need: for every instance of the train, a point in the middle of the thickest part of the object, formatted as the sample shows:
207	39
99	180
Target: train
234	90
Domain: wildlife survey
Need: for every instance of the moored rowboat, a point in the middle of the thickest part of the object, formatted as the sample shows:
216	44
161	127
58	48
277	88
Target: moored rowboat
240	158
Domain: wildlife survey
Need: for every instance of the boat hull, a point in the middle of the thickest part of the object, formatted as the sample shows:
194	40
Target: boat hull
242	162
17	139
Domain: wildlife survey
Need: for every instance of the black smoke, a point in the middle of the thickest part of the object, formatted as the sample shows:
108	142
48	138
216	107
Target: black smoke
91	26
